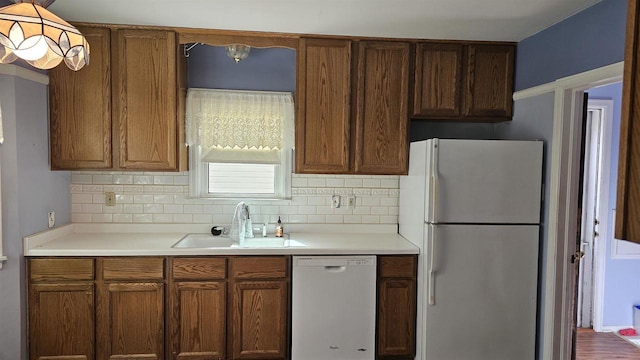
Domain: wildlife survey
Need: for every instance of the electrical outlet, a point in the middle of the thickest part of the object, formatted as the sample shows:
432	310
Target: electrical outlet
351	201
335	201
51	217
110	198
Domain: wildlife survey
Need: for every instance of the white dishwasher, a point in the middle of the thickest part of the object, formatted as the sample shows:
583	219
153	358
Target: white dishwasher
333	308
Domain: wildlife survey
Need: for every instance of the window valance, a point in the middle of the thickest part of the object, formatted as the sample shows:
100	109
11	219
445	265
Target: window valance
239	126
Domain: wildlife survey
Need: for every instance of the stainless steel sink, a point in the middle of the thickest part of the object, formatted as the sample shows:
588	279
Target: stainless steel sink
208	241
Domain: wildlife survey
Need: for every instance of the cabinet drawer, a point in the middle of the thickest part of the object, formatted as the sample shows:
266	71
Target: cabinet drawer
397	266
259	267
199	268
133	269
61	270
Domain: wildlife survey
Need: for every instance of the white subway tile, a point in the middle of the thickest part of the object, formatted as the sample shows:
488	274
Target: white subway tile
174	209
183	218
153	189
92	188
317	219
379	210
143	179
163	180
193	209
220	219
122	218
153	208
286	210
362	210
307	210
98	198
334	219
76	188
333	182
394	210
92	208
325	210
124	199
352	219
101	218
181	180
213	209
162	218
299	182
371	183
76	208
117	209
319	200
202	219
132	208
133	189
114	188
81	198
390	183
296	219
102	179
81	218
370	219
388	219
389	201
143	199
123	179
81	178
163	199
142	218
354	183
370	201
316	182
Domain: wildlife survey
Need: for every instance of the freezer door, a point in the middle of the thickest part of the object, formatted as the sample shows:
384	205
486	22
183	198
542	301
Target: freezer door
481	292
484	181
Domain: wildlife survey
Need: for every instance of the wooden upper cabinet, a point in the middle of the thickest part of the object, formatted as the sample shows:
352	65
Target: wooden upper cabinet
120	112
489	81
145	85
438	80
323	121
464	82
628	195
381	141
80	108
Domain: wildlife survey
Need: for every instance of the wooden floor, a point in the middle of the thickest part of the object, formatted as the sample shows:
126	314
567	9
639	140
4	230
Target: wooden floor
604	346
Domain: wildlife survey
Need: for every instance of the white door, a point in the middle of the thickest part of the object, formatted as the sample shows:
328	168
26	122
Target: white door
481	292
484	181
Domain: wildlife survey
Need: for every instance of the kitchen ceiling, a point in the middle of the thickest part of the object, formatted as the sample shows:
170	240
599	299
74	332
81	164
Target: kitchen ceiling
506	20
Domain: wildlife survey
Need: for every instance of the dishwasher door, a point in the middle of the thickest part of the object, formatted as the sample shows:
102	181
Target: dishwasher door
333	308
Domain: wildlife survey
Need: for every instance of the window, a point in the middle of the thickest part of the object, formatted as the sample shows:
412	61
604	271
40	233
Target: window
240	143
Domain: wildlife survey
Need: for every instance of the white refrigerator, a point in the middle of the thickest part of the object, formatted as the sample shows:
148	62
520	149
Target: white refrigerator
473	209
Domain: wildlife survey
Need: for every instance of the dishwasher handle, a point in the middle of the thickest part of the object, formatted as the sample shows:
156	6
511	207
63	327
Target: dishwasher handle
333	268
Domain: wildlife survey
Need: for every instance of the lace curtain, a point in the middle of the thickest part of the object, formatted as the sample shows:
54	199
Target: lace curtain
240	126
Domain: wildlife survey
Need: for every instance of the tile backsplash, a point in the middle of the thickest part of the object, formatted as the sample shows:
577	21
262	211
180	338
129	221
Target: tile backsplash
152	197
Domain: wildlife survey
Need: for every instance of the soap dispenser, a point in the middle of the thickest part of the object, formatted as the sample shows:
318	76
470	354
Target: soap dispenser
279	228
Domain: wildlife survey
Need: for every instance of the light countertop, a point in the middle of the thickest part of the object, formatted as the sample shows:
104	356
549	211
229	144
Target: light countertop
158	239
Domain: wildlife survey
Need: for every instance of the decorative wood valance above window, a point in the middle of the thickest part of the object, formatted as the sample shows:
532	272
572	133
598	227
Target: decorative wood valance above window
235	126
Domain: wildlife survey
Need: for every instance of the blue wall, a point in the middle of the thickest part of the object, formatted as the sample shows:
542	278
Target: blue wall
588	40
272	69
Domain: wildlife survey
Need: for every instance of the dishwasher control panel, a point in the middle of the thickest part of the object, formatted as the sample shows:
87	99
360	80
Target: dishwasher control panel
335	261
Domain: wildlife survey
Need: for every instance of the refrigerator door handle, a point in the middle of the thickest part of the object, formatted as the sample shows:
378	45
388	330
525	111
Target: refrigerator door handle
431	295
434	181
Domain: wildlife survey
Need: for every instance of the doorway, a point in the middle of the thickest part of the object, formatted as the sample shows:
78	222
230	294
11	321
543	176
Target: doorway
596	202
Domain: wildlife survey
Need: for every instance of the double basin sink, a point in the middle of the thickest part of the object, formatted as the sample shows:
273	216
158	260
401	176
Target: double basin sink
208	241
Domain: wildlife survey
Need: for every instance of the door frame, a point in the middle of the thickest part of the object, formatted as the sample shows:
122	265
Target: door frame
565	158
602	211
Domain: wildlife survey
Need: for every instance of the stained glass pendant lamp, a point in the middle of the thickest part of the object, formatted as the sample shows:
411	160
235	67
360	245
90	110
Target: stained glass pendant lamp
30	32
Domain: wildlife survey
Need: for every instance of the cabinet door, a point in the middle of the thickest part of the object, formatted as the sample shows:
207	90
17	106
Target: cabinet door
383	112
323	121
131	321
80	109
438	81
489	81
628	196
396	307
259	320
61	321
198	320
145	102
396	317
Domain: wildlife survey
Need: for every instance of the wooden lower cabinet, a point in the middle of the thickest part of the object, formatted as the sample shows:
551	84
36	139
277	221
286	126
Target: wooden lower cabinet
259	319
212	307
61	309
396	337
130	308
198	309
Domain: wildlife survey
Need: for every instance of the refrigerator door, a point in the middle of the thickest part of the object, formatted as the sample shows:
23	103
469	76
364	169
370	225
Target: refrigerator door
481	292
483	181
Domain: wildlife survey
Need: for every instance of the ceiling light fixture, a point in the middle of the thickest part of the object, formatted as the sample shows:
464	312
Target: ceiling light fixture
238	52
30	32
